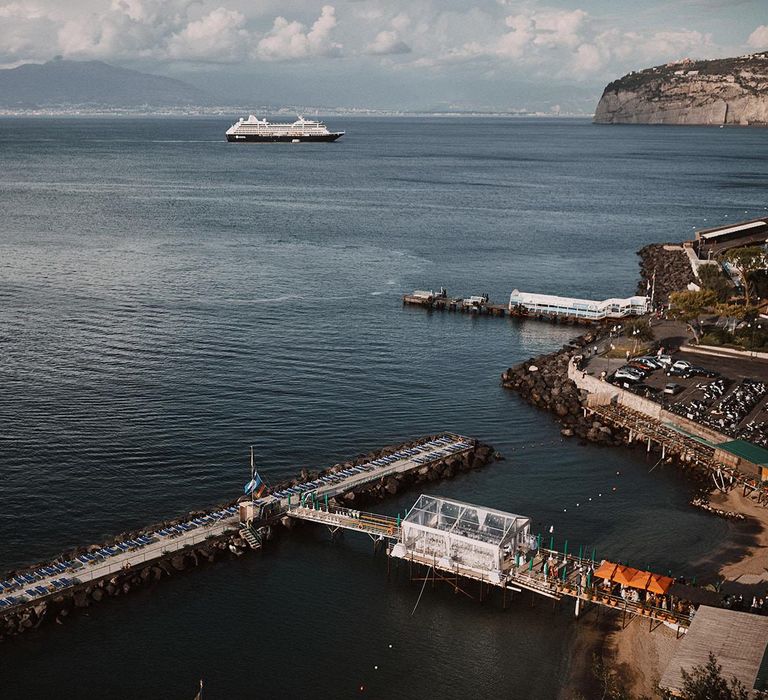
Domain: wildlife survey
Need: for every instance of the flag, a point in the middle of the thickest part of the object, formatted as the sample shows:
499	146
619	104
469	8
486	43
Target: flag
253	484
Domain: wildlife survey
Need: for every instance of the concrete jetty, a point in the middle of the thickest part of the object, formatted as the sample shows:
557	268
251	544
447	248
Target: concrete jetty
84	576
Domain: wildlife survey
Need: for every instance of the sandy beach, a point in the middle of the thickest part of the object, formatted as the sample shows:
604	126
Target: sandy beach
636	655
744	565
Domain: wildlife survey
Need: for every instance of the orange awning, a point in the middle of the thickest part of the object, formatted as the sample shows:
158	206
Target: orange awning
624	575
605	570
660	584
634	578
641	580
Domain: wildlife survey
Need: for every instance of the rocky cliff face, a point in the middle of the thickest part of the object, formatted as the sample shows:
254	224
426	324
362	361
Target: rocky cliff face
723	91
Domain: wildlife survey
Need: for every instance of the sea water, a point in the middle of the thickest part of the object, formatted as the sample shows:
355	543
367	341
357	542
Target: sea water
168	299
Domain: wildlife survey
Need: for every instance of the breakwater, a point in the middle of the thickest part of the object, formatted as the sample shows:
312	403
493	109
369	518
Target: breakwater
665	268
52	591
543	382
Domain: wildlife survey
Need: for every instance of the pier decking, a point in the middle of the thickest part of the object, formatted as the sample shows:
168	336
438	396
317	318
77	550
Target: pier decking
32	587
542	571
326	487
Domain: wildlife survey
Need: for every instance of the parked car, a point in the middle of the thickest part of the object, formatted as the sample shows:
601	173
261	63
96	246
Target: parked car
627	372
678	372
672	388
642	364
650	361
697	371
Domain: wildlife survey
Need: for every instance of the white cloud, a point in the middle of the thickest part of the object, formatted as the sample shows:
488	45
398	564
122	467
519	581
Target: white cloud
568	44
387	42
219	35
759	38
290	40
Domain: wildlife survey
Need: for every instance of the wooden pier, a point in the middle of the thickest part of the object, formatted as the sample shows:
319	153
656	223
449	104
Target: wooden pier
471	305
689	449
546	572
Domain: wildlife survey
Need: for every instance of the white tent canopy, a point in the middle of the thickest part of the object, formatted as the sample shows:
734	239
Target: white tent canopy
466	535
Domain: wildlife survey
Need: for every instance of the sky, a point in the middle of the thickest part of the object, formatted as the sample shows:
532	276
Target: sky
386	54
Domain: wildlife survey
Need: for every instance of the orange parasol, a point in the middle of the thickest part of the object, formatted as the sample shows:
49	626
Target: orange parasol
624	575
641	580
660	584
606	569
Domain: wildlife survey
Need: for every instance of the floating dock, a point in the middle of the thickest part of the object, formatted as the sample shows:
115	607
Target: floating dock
440	301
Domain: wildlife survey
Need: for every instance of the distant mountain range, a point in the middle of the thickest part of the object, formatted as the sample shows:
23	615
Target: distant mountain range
91	83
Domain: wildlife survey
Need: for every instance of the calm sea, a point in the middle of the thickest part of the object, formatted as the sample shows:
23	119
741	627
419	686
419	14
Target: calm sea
168	299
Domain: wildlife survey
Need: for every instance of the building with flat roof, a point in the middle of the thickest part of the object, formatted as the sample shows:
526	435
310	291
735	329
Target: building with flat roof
527	304
710	241
748	458
738	641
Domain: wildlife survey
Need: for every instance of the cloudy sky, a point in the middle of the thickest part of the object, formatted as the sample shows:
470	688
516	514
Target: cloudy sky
402	54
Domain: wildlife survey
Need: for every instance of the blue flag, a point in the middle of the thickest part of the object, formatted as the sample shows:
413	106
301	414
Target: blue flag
253	484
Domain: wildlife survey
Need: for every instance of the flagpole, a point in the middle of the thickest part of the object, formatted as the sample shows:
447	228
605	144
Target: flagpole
252	476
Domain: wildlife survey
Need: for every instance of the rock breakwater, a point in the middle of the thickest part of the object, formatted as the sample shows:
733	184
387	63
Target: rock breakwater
59	606
666	268
543	382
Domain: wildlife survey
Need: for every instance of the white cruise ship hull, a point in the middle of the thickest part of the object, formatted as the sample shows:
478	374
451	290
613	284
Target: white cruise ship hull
284	138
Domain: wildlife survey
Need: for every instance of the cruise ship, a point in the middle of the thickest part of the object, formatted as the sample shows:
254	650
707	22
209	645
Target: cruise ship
254	129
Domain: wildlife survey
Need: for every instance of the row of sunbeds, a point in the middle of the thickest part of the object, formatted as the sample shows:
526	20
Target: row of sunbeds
444	443
24	579
442	451
21	582
36	592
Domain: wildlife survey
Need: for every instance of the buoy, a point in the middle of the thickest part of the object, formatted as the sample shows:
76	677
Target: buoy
390	646
375	668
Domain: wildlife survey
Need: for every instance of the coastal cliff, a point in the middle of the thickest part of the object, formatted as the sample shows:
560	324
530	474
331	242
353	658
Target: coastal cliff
732	91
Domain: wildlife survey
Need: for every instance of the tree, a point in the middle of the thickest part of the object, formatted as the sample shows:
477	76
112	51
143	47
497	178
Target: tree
707	683
638	328
712	277
736	311
687	306
744	262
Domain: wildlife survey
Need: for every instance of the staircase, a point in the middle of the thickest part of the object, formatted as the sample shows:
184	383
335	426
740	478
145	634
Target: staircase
253	538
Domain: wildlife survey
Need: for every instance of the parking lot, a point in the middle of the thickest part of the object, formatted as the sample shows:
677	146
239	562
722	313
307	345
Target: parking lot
734	403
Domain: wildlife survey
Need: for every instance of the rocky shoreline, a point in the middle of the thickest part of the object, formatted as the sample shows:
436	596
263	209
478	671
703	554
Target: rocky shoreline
58	607
543	382
671	267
